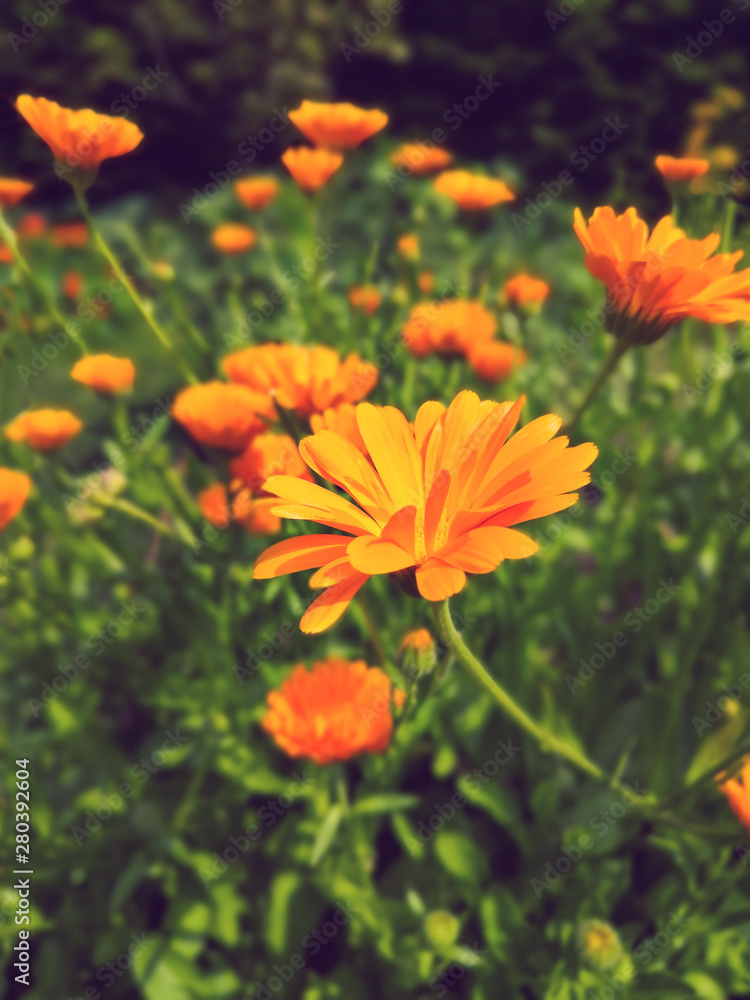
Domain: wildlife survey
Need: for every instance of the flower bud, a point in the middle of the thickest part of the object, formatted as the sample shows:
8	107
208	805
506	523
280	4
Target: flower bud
599	944
417	654
441	929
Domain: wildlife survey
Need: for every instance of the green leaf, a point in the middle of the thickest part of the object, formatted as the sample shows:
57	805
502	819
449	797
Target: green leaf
326	834
387	802
460	857
283	888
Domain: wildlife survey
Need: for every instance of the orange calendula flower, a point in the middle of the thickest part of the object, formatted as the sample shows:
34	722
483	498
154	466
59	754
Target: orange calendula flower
255	514
343	420
105	373
213	503
256	193
221	414
70	234
494	360
268	455
451	327
426	281
437	501
471	191
421	158
12	191
6	257
737	791
79	140
72	284
44	430
14	489
365	297
680	169
408	246
311	168
654	282
304	379
333	712
337	126
233	237
32	226
523	290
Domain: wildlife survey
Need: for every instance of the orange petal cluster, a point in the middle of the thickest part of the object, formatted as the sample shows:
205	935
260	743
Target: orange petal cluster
524	290
254	514
680	169
105	373
44	430
495	360
12	191
78	138
70	234
436	501
737	791
421	158
233	238
256	193
366	298
332	712
655	281
408	246
221	414
337	126
72	284
32	226
311	168
14	489
304	379
472	191
451	327
268	455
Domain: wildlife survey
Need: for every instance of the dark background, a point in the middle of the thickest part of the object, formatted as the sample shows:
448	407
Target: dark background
564	68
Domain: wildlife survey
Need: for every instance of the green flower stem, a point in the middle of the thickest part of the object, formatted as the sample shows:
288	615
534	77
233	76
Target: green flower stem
9	238
547	740
112	259
606	370
727	226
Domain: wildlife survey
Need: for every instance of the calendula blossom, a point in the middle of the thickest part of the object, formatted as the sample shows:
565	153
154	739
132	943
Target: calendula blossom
268	455
32	226
451	327
12	191
44	430
473	192
333	712
14	490
436	501
337	126
256	193
72	284
311	168
366	298
737	792
655	281
105	373
494	360
680	169
524	290
221	414
233	238
70	234
420	158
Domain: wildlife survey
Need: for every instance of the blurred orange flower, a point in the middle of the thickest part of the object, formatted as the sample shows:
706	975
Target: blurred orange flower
421	157
333	712
105	373
268	455
311	168
426	281
737	791
337	126
78	139
418	640
70	234
256	192
451	327
653	282
523	290
32	226
408	246
6	257
12	191
14	489
304	379
233	237
44	430
343	420
680	169
437	501
494	360
213	503
221	414
72	284
471	191
255	513
365	297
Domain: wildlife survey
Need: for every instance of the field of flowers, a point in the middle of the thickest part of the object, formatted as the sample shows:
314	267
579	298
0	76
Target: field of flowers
374	578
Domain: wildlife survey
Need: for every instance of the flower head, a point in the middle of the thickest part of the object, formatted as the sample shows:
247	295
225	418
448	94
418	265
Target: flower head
256	193
255	514
105	373
14	489
523	290
304	379
408	246
221	414
654	282
421	158
12	191
436	501
233	237
471	191
268	455
32	226
72	284
44	430
311	168
451	327
417	653
426	281
79	140
213	503
737	792
337	126
70	234
680	169
494	360
367	298
332	712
